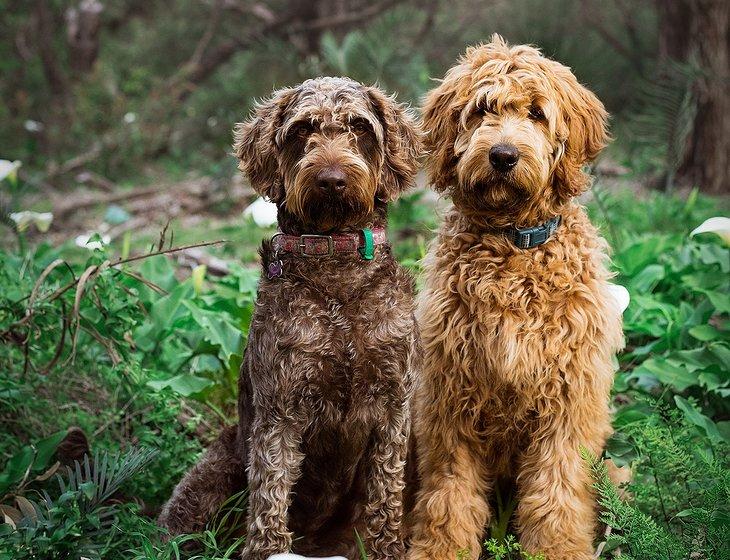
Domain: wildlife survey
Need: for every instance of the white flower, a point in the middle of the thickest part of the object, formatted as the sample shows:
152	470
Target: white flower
620	296
33	126
262	211
129	118
84	240
41	220
719	225
289	556
8	168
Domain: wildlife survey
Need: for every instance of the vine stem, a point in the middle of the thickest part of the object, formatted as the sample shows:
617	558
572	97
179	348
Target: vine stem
58	293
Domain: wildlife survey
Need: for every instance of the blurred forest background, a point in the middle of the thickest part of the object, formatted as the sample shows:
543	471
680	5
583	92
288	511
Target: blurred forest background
132	89
123	314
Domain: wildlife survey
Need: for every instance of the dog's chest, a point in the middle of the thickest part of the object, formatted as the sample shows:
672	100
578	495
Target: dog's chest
529	309
345	352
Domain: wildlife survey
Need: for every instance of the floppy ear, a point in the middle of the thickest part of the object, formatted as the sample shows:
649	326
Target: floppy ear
254	144
441	110
403	145
586	122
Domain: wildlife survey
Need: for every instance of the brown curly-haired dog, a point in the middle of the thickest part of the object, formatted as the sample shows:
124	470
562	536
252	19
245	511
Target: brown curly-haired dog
518	327
325	385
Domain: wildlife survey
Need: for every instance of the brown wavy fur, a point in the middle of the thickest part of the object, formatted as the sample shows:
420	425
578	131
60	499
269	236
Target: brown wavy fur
325	385
519	344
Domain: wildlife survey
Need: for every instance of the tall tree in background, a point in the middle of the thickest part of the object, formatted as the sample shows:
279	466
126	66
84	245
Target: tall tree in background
699	30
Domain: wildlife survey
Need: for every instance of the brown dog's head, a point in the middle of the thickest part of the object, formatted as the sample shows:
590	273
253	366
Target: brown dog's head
328	152
508	132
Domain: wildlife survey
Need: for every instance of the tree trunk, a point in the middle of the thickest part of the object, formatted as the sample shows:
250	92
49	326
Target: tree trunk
698	30
83	25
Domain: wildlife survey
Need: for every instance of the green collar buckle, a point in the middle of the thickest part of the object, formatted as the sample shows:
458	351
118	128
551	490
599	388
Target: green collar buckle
367	252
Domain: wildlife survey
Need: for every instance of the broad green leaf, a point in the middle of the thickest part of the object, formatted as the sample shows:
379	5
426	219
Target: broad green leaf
16	467
217	330
184	384
712	253
88	489
721	351
159	271
706	333
647	279
631	414
204	362
713	380
45	449
695	417
720	301
168	308
703	280
640	253
678	376
697	358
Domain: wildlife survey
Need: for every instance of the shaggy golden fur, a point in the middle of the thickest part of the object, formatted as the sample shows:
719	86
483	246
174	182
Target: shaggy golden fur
519	343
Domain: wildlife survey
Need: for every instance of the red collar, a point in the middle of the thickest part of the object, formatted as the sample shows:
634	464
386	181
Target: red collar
314	245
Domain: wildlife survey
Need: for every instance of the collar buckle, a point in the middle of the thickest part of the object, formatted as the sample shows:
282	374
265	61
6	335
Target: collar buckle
527	238
303	245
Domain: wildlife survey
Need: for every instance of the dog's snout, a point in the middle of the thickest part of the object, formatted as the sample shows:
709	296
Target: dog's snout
332	179
503	157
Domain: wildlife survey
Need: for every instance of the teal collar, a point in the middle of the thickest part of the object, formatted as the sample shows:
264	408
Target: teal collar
528	238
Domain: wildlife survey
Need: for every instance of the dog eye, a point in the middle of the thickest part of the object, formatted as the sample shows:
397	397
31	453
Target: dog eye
359	127
485	108
536	114
302	130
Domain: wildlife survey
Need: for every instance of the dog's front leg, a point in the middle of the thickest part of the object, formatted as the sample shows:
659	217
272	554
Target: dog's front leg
556	512
384	539
274	467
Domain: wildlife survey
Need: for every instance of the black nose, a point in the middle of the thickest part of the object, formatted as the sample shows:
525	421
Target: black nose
331	179
503	157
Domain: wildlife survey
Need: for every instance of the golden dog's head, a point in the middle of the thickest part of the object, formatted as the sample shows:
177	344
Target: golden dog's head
328	151
508	132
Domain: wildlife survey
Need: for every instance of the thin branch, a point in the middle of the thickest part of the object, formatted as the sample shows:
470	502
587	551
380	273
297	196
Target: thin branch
11	333
346	18
184	81
51	68
588	14
128	260
208	35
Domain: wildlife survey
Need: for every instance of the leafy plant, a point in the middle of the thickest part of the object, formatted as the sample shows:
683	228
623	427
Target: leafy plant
79	520
664	117
681	476
509	549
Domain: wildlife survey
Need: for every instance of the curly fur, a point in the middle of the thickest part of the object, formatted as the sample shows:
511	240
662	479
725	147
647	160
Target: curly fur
324	390
518	344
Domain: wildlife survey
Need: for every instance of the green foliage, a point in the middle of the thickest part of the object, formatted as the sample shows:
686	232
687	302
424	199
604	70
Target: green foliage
509	549
78	520
121	106
680	492
674	380
663	119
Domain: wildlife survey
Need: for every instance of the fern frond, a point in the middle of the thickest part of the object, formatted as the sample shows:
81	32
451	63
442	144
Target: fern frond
666	112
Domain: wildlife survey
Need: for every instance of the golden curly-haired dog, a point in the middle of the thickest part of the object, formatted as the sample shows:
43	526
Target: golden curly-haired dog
518	325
